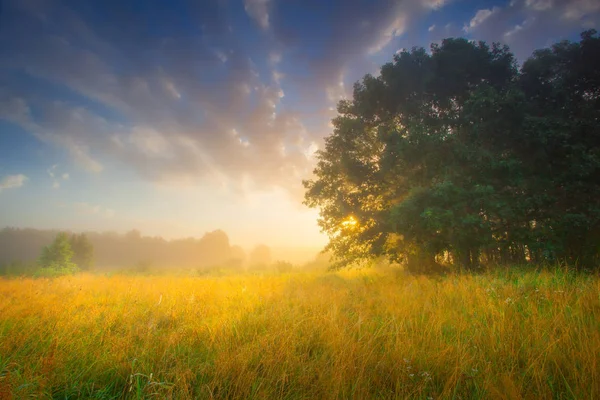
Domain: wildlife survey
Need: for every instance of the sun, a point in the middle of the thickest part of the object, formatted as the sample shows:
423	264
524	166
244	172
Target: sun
350	222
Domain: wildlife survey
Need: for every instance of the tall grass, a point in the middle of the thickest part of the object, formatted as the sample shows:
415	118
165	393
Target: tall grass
508	334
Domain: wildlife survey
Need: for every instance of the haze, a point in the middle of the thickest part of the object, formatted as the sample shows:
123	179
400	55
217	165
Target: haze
202	115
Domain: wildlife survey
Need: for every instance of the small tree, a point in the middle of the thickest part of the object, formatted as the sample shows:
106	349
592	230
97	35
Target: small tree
83	251
56	258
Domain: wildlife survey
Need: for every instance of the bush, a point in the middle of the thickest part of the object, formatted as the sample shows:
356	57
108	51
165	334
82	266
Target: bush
284	266
54	270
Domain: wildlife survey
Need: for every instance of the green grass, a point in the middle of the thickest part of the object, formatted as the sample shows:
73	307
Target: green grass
363	334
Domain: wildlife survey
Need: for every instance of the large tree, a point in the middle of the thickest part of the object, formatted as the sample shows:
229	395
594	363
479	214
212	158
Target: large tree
437	158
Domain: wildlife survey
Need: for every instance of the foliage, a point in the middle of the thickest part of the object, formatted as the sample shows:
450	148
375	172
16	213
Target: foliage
352	334
55	259
284	266
18	268
457	157
83	251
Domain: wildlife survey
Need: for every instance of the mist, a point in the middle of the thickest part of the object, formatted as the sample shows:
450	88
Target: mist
114	251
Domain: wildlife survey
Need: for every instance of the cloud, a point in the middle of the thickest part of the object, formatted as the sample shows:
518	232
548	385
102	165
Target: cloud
480	17
51	173
12	181
529	24
577	9
171	124
55	177
259	11
203	104
84	208
539	5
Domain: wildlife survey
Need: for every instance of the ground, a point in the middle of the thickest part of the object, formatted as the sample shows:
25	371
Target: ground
303	335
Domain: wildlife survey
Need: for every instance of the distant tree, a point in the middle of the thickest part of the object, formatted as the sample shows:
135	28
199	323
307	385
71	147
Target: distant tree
133	235
56	258
83	251
214	248
284	266
260	256
237	258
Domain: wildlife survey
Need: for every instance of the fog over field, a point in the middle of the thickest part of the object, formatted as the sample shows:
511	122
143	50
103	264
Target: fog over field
299	199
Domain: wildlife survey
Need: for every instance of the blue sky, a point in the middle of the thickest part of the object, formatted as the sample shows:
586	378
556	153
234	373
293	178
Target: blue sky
181	117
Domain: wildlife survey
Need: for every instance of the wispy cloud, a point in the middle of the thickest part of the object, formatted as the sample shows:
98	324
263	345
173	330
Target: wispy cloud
56	177
166	106
12	181
529	24
84	208
480	17
259	11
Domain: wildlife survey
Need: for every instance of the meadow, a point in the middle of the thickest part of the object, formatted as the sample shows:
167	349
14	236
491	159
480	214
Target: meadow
508	334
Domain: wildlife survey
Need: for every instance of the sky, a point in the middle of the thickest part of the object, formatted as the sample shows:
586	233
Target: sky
181	117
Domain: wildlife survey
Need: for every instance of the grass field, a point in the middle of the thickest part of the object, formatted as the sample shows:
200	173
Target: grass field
369	334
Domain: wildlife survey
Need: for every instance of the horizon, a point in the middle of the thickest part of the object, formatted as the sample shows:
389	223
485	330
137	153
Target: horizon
185	119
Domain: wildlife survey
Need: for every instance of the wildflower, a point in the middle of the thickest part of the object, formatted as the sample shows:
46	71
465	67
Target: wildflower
411	375
508	300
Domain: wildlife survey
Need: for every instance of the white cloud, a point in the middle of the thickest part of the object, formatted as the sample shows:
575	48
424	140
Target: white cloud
394	29
52	174
539	5
150	142
171	90
13	181
577	9
434	4
65	176
259	11
81	154
480	17
514	30
50	171
431	28
277	77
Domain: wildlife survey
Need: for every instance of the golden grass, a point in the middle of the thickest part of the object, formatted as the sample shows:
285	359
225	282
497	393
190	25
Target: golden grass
508	335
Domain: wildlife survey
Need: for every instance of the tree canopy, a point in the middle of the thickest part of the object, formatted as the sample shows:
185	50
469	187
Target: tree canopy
83	251
56	257
457	156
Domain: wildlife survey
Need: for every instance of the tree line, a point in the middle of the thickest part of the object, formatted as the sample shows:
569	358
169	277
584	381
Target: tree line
25	250
459	157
